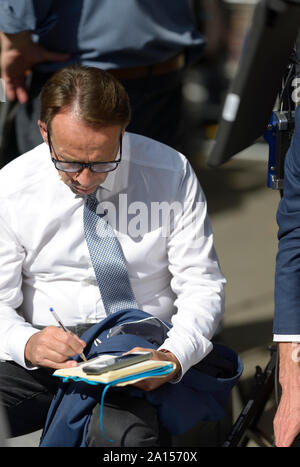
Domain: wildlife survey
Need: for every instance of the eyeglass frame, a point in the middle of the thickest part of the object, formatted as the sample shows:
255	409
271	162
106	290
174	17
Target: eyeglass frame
83	165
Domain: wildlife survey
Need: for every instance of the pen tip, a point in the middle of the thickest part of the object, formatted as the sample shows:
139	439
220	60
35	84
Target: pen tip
51	309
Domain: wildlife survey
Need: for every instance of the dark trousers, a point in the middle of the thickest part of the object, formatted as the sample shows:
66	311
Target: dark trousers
156	103
27	394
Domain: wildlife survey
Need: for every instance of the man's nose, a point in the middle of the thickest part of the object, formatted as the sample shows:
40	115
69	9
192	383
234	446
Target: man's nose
85	177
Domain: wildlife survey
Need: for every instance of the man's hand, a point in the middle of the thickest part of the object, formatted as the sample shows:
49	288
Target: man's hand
52	347
149	384
287	418
18	55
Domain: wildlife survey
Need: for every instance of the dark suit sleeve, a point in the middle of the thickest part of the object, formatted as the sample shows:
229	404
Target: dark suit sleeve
287	276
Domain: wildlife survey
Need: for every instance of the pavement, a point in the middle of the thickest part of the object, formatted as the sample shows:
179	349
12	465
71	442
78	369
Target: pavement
242	210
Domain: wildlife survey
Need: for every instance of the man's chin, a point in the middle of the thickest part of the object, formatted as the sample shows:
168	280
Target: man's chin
82	191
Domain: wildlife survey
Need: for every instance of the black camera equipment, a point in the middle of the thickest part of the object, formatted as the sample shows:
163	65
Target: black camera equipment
281	126
261	101
251	98
247	427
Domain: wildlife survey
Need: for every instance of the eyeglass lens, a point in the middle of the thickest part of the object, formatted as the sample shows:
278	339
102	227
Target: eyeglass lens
76	167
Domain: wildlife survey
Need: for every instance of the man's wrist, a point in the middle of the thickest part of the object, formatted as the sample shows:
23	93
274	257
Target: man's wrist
177	371
289	352
289	364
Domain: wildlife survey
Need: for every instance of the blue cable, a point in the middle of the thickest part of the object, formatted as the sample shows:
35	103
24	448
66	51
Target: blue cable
146	374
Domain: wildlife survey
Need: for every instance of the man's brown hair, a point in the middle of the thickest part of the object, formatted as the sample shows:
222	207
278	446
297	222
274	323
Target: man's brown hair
95	95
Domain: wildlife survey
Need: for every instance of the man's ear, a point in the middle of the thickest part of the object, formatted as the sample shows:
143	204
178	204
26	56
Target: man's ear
43	130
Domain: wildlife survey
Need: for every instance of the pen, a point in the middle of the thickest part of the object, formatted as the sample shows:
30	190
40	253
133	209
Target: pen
65	329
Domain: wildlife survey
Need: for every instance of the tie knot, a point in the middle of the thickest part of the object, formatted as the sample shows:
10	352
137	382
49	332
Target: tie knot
94	205
92	202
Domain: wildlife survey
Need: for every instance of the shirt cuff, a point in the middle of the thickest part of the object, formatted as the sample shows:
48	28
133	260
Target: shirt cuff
186	354
286	338
17	343
178	376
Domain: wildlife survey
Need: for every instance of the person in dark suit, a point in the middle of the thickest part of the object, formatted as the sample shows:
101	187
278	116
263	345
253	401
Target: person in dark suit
287	297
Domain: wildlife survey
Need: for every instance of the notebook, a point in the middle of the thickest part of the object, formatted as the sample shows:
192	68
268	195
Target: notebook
129	375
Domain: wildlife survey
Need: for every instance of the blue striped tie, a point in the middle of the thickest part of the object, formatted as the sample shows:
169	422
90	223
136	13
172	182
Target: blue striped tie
107	259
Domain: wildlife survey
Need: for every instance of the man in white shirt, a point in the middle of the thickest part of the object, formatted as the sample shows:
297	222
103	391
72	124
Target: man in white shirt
157	209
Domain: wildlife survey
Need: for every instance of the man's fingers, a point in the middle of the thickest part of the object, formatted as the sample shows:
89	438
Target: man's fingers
47	362
286	423
149	384
68	343
285	433
53	347
15	89
21	94
285	438
53	359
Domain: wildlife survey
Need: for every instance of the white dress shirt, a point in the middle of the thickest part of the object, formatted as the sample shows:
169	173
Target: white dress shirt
44	259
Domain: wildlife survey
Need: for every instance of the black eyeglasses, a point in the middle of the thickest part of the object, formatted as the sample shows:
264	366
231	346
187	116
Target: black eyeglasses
73	167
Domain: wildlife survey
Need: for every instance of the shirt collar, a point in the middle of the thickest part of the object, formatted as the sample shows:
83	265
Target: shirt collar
108	184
